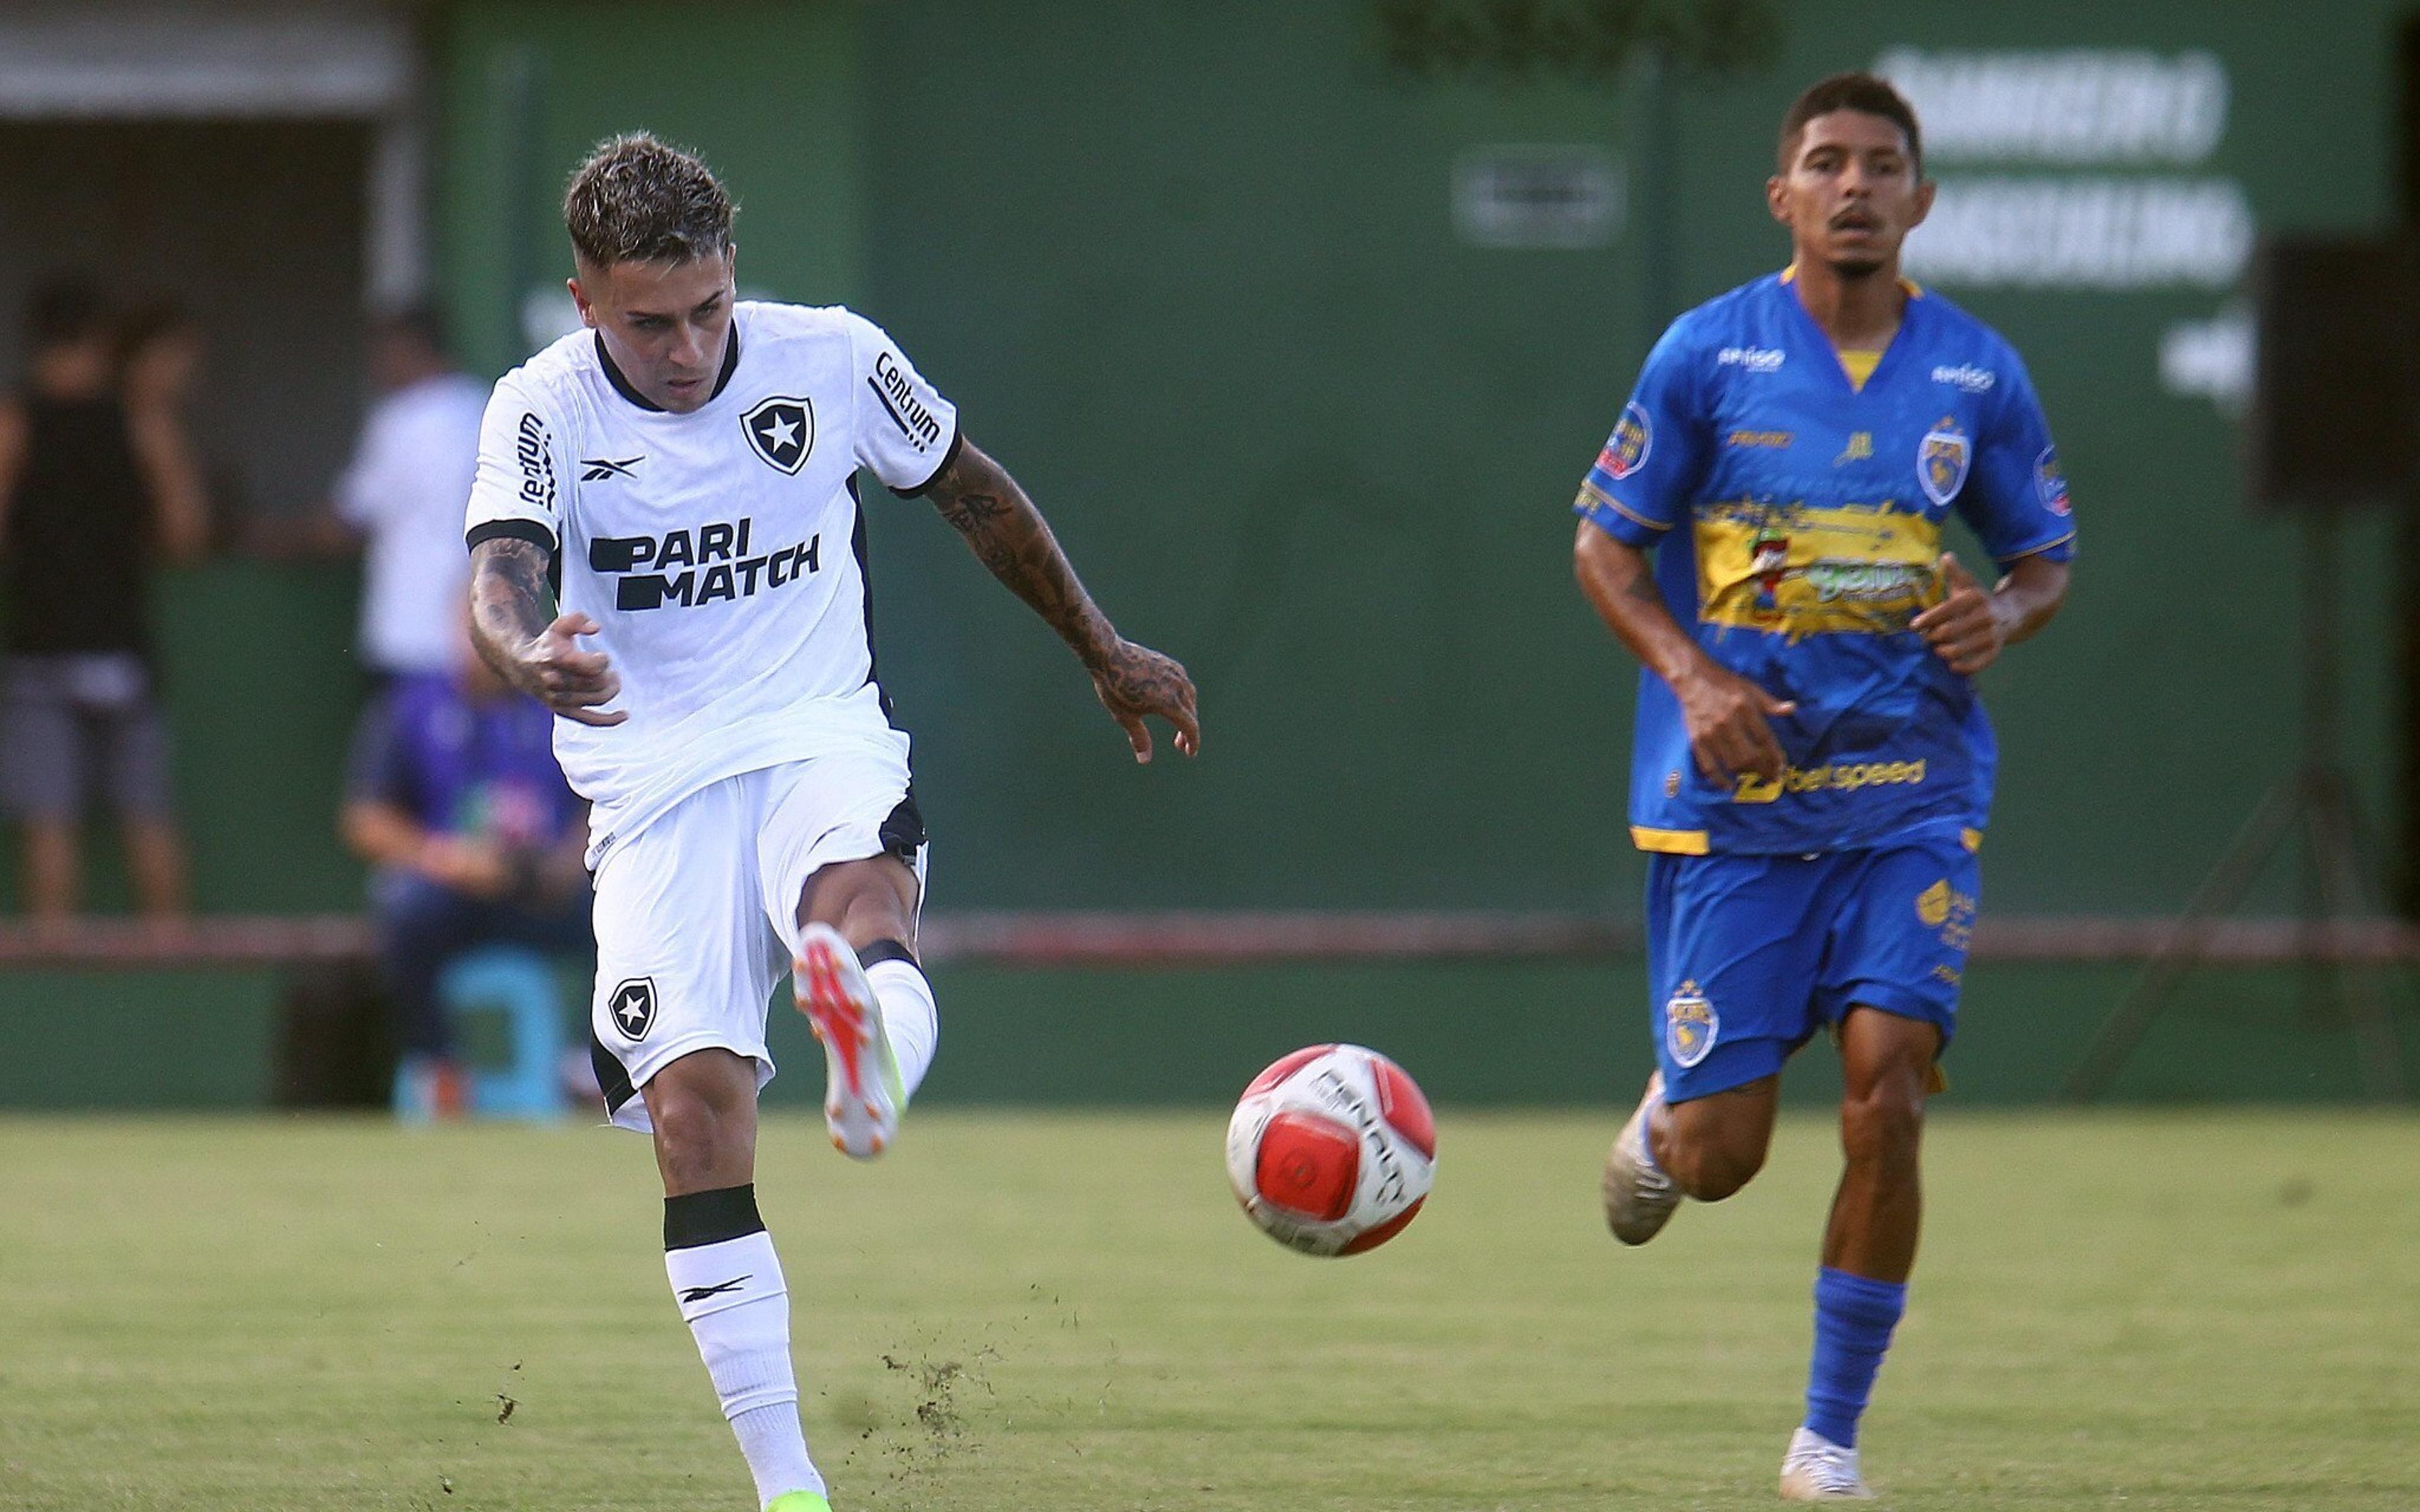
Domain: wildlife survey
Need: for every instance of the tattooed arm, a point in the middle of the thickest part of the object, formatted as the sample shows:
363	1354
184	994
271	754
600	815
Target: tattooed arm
1009	535
540	656
1729	717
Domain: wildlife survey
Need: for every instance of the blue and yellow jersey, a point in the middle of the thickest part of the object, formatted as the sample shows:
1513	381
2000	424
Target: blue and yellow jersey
1796	496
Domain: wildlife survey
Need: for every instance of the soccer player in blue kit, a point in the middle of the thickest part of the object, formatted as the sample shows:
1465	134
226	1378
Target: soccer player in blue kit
1812	769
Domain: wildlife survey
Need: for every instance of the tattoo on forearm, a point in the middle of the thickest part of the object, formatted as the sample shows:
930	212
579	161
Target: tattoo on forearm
1013	543
509	596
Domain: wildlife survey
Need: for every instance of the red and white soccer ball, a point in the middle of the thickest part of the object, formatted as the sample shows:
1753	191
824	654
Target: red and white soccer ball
1332	1149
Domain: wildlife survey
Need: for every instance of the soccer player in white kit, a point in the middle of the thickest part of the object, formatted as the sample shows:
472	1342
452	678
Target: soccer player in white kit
682	474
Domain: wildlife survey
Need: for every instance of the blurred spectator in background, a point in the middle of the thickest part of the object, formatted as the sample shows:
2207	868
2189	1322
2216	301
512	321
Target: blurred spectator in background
404	493
96	476
455	799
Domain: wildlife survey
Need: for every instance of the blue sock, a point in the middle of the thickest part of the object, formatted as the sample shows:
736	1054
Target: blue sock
1853	1319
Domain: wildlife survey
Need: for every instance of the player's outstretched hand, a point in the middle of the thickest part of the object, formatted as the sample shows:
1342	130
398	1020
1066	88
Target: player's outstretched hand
1134	681
1729	721
571	682
1964	628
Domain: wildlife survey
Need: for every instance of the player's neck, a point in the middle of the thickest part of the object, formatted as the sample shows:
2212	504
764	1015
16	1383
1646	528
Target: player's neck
1860	311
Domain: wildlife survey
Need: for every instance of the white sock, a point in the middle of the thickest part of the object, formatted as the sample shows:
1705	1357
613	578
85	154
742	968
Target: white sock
909	1016
737	1306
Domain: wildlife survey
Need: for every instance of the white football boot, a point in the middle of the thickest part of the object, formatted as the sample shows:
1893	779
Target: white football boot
863	1090
1817	1470
1639	1197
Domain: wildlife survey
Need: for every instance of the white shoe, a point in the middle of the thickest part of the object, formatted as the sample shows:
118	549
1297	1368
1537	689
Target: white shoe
862	1091
1817	1470
1639	1197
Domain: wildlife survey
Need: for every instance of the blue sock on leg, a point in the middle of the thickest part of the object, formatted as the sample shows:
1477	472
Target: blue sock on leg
1853	1319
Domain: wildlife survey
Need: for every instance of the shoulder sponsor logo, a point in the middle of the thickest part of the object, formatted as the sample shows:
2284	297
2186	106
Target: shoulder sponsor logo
1941	461
710	564
781	429
1752	359
1690	1025
633	1007
1778	440
535	455
1625	451
2052	483
891	384
1967	377
599	468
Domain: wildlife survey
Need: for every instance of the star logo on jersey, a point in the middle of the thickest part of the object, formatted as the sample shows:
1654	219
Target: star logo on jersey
782	430
1942	460
633	1007
1690	1024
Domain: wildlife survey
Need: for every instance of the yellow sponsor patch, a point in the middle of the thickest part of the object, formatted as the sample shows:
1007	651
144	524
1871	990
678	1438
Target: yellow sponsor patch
1932	905
1776	440
1797	570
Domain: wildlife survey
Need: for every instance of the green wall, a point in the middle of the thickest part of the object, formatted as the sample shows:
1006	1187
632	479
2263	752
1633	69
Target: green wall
1190	270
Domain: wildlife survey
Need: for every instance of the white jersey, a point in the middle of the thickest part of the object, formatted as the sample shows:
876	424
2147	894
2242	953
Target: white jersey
722	551
403	491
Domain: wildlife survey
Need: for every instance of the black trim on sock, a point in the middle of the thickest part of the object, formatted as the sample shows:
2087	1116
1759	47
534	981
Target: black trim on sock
696	1218
882	951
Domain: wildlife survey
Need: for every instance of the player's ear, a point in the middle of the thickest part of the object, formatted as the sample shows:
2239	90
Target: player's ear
579	297
1924	189
1777	197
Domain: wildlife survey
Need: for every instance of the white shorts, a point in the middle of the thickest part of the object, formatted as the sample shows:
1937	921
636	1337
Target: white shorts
697	914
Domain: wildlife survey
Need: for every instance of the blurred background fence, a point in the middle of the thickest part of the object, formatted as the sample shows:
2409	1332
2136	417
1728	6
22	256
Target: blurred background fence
1300	319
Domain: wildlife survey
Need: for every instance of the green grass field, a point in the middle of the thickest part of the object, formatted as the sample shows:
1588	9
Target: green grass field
1048	1313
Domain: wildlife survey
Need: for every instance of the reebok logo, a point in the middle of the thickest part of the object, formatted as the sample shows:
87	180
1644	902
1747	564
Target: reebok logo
701	1293
598	469
716	560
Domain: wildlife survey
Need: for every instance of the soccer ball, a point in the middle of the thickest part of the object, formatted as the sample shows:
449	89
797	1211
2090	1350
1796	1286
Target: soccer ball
1332	1149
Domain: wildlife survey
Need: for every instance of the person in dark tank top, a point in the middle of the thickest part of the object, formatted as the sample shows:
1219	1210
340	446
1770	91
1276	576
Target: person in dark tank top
97	481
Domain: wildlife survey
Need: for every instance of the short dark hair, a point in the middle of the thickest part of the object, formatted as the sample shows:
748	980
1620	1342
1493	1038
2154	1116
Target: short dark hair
65	308
636	199
1861	92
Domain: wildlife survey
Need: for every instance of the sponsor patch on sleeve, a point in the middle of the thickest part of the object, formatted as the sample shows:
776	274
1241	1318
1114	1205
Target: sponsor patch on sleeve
1625	451
2052	483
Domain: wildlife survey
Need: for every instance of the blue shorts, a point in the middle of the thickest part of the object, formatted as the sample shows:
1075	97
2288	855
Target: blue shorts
1748	955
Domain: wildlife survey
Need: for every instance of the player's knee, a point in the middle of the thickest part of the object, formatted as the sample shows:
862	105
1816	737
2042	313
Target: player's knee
694	1137
1883	1123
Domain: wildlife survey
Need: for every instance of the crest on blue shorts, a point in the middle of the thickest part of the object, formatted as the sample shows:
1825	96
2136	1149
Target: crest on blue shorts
1942	461
1690	1025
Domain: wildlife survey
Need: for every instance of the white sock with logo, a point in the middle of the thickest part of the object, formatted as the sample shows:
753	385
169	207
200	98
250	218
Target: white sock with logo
737	1307
911	1018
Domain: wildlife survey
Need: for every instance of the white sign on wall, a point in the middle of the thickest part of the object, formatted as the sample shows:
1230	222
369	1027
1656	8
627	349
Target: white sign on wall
2028	120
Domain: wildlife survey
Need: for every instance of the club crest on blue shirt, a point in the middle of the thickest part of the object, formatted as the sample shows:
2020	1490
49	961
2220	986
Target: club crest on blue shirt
1690	1025
782	430
1942	460
1626	452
